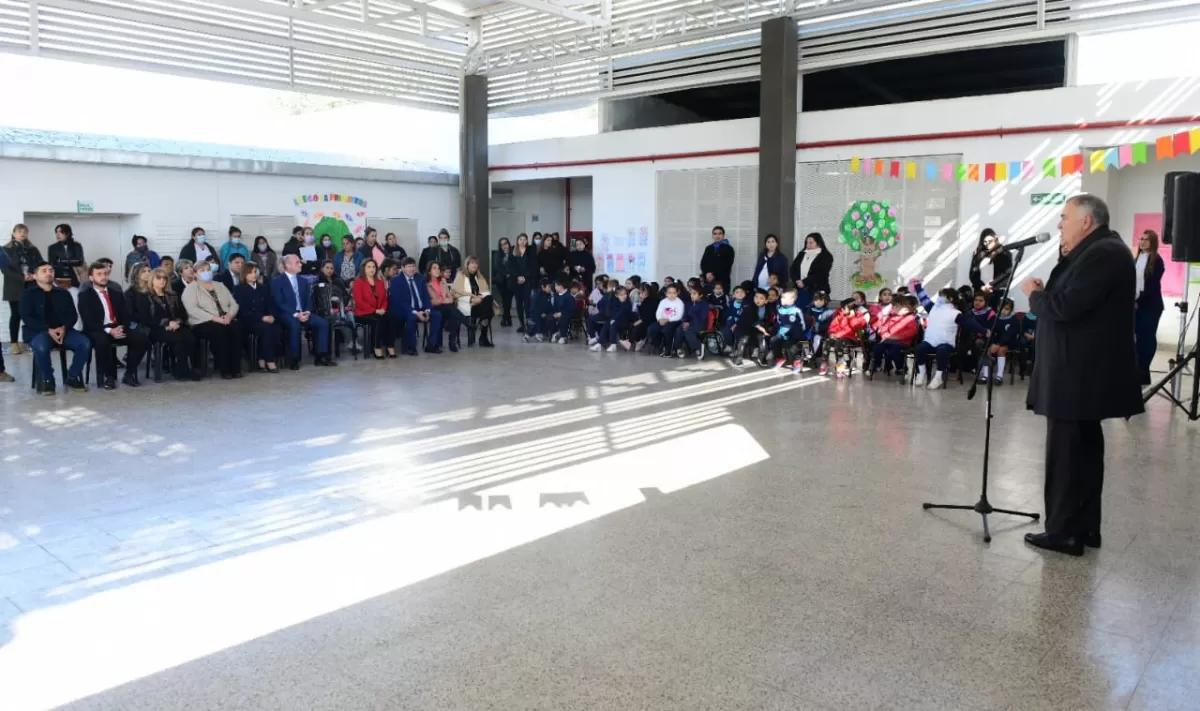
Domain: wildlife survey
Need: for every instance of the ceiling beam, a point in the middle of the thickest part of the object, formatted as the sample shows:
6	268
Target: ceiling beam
321	5
551	8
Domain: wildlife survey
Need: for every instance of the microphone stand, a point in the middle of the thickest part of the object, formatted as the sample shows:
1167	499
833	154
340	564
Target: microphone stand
983	507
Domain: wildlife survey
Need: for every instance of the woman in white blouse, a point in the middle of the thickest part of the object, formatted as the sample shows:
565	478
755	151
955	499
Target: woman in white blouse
474	298
212	314
199	250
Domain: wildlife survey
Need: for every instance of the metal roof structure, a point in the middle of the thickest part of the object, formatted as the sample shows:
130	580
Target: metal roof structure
534	52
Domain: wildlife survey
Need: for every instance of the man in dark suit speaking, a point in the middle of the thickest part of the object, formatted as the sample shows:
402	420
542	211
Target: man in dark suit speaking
1086	369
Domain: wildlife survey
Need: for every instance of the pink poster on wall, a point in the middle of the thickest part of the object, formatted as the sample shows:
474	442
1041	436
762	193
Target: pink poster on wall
1175	275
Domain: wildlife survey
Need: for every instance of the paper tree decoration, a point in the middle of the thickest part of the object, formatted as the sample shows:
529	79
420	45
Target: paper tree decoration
870	228
333	227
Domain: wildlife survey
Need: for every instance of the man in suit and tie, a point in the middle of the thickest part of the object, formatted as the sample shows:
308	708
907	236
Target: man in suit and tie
232	276
107	323
408	299
292	301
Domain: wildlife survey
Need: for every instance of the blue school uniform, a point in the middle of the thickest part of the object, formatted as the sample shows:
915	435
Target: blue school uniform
695	321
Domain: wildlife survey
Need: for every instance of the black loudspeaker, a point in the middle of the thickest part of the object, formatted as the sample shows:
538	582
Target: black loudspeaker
1168	232
1185	217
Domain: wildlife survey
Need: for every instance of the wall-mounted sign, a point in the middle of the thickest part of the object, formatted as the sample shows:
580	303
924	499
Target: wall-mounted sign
84	206
1048	199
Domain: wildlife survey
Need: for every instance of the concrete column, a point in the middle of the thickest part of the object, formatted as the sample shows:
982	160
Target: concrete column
778	105
473	170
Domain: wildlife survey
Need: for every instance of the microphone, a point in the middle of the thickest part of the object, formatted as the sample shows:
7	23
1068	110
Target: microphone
1039	238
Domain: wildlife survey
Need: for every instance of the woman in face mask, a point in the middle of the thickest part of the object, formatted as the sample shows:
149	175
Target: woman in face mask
232	247
325	249
198	250
141	255
448	255
265	258
212	315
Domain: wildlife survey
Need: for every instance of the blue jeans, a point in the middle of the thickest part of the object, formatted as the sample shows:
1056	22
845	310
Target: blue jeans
660	336
890	351
609	333
942	353
689	335
74	341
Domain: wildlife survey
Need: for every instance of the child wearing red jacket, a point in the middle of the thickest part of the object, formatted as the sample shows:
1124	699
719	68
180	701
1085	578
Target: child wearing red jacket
845	332
897	332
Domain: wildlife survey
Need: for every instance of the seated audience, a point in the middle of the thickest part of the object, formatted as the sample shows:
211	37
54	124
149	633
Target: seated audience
617	312
562	308
198	250
87	282
108	323
941	331
694	323
185	276
370	248
168	262
441	299
847	330
331	301
49	314
157	308
291	299
212	314
819	316
897	331
1008	334
232	276
789	333
541	306
661	334
598	305
257	317
753	329
732	316
392	248
644	315
718	300
370	298
408	300
475	302
389	268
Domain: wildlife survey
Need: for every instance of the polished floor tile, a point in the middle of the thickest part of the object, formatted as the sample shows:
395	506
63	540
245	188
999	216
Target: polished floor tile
540	527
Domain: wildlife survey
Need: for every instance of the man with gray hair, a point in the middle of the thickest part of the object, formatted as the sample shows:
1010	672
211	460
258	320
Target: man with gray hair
1086	369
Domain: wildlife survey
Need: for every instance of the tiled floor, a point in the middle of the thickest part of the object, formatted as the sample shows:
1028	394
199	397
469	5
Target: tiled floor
540	527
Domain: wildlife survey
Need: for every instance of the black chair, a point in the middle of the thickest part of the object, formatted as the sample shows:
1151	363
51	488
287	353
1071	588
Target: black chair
62	364
159	354
368	338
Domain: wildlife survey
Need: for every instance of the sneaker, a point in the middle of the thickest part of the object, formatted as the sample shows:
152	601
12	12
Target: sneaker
596	348
624	344
525	338
998	380
824	369
842	370
5	377
935	383
593	340
47	387
702	352
664	354
540	338
779	363
737	362
612	348
797	366
76	385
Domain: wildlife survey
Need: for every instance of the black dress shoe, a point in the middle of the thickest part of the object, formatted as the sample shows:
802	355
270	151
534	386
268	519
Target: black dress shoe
238	374
1091	540
1057	542
106	384
433	349
392	355
47	387
295	365
130	378
410	351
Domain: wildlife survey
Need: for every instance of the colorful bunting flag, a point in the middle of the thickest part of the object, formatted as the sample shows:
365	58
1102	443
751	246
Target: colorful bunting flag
1111	158
1048	168
1002	172
1014	169
1195	140
855	165
1075	164
878	166
948	172
931	171
895	172
989	172
961	172
1164	148
1125	156
973	172
1183	143
910	170
1097	162
1139	153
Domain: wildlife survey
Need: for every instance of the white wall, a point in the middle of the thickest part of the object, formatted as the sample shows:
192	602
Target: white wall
581	204
165	204
624	194
539	206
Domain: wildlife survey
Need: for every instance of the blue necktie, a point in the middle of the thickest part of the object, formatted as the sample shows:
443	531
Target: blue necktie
413	288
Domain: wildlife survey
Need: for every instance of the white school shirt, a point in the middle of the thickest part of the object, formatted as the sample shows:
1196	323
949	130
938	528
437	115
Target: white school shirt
670	309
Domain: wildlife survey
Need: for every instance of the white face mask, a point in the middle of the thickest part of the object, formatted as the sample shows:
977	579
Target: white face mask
235	239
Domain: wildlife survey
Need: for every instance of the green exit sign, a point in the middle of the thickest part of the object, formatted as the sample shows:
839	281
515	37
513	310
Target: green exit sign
1048	199
84	206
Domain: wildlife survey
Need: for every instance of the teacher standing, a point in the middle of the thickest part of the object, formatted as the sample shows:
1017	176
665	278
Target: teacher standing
1085	369
1149	310
811	267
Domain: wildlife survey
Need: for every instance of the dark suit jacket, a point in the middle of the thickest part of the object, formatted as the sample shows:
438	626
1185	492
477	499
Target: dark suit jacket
400	297
818	273
91	309
284	298
1086	367
253	302
33	310
718	259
